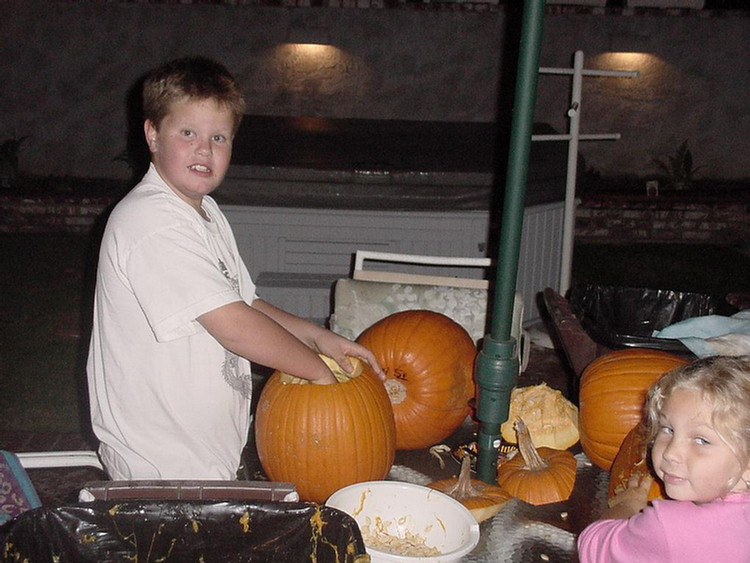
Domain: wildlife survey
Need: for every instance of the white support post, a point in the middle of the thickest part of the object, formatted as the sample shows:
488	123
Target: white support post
573	137
574	113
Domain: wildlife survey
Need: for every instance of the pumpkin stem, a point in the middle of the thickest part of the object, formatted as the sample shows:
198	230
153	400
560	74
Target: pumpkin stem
534	461
463	488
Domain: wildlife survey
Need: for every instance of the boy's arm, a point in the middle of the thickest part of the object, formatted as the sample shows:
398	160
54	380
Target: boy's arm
320	339
251	333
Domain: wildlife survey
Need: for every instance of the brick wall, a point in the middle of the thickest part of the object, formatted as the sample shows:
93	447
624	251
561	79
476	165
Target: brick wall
43	215
632	218
602	219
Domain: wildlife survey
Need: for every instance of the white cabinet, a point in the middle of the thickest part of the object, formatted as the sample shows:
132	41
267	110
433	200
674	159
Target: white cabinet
295	254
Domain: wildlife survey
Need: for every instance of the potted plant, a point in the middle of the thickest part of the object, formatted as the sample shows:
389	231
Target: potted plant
9	161
678	168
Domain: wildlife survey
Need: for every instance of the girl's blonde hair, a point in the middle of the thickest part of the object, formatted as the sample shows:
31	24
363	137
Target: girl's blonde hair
191	78
723	380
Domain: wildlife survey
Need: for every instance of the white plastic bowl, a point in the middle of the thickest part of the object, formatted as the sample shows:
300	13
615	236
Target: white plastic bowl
442	521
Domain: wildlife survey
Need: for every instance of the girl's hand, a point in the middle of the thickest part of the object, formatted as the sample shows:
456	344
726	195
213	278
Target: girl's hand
338	348
630	501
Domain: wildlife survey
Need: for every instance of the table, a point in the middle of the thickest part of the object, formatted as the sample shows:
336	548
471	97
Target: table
520	532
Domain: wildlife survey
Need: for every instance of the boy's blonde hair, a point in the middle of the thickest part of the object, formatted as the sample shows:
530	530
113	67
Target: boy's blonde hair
725	382
194	78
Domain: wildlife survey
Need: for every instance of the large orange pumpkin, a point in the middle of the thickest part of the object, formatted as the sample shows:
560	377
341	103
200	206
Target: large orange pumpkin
325	437
611	397
632	461
429	362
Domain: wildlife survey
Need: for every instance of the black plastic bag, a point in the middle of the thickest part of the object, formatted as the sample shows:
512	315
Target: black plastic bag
184	531
627	316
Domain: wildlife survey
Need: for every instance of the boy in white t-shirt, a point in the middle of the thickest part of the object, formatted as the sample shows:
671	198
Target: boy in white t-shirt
176	317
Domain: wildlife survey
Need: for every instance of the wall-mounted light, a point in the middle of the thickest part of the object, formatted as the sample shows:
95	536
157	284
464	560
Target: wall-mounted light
637	61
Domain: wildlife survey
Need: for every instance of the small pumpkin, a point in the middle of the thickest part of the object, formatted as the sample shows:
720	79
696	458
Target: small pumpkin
429	361
632	461
325	437
552	420
483	500
537	475
612	393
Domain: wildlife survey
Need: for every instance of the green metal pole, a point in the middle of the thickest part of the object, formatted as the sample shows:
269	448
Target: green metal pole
497	363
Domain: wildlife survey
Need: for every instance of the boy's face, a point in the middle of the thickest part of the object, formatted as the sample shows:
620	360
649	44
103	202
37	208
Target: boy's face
192	148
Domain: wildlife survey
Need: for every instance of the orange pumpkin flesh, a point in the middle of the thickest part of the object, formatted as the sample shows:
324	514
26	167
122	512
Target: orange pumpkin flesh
482	499
552	420
537	475
612	393
429	362
632	461
325	437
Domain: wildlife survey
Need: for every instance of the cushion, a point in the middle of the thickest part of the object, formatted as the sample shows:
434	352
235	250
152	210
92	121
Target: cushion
359	304
17	493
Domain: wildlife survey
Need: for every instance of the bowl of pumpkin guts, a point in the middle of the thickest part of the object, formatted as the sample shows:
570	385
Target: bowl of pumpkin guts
407	523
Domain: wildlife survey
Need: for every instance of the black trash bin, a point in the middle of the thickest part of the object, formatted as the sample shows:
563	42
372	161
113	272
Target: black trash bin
620	317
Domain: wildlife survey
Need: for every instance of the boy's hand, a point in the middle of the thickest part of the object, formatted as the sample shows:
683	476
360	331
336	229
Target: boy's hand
324	379
316	338
338	348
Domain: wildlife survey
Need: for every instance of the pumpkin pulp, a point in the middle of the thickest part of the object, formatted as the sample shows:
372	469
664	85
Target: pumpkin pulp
552	420
337	371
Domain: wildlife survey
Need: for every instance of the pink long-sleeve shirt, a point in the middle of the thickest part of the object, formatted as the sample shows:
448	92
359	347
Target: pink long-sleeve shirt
673	531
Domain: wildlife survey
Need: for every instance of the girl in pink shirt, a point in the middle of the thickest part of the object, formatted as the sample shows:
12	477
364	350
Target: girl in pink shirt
698	418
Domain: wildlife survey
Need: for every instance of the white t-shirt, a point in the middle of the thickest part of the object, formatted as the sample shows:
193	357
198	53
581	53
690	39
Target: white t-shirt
167	400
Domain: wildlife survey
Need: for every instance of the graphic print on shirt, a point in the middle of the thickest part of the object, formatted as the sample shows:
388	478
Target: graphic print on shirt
234	375
232	279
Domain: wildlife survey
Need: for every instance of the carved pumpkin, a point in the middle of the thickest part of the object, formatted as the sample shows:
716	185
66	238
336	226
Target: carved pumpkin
612	393
552	420
537	475
632	461
325	437
482	499
429	361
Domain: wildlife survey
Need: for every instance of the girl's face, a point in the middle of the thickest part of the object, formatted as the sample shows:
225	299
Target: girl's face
192	148
689	455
